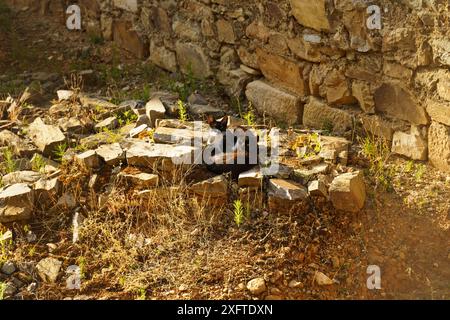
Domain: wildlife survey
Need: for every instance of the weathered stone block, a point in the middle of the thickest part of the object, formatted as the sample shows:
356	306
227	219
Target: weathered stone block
398	102
128	39
412	145
281	71
311	14
439	146
277	103
348	192
192	58
317	114
16	203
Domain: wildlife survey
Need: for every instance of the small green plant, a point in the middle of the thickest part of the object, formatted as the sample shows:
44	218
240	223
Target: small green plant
126	117
327	127
377	152
142	94
9	165
420	171
2	290
249	116
81	261
141	294
238	212
182	111
60	151
112	136
38	163
4	250
96	39
409	166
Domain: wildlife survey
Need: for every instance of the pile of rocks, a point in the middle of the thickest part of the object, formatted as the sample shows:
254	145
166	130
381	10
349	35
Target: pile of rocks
152	146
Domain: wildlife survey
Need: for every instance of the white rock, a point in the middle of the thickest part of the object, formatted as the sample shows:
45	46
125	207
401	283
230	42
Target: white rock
413	145
257	286
64	94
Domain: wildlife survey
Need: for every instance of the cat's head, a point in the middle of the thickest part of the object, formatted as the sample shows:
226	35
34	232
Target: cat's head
220	125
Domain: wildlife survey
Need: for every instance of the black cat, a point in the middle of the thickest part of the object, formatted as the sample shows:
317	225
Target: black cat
243	154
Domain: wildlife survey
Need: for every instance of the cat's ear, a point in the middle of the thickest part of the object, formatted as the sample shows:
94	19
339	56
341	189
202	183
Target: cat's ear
224	122
210	120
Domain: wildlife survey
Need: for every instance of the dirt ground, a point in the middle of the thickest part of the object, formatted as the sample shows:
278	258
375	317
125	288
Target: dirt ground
405	231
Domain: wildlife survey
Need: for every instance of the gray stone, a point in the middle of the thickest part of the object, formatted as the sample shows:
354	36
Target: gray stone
21	177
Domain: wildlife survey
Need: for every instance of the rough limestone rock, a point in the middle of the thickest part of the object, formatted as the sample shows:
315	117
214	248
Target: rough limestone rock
141	180
46	137
439	146
439	111
317	114
16	203
283	72
214	190
161	156
398	102
112	154
154	109
89	160
192	58
18	145
21	177
109	123
275	102
48	269
251	178
285	195
257	286
413	145
311	14
348	192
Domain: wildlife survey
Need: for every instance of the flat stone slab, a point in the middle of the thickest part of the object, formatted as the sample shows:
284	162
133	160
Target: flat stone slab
177	136
143	154
21	177
142	179
251	178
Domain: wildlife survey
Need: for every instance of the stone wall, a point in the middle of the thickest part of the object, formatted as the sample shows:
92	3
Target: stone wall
301	61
